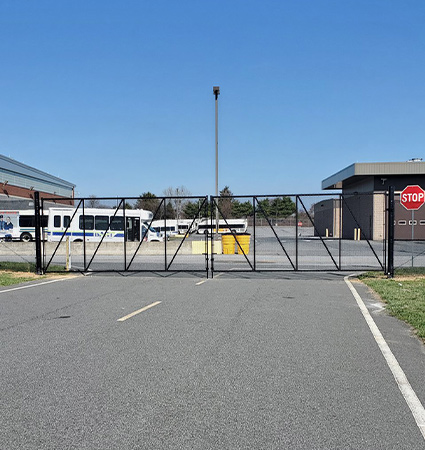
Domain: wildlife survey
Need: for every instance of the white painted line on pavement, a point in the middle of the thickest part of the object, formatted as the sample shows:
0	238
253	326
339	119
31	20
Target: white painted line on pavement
128	316
201	282
406	389
35	285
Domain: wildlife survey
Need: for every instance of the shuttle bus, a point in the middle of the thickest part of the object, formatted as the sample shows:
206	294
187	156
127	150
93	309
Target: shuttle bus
173	227
96	222
19	225
224	226
184	225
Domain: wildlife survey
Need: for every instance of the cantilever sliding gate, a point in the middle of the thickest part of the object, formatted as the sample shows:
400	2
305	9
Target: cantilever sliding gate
305	233
112	235
271	233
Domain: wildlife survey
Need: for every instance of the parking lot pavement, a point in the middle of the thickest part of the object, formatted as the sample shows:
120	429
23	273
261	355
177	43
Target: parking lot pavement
232	362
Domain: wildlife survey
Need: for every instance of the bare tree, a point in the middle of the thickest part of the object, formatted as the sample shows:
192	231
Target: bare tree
178	201
93	202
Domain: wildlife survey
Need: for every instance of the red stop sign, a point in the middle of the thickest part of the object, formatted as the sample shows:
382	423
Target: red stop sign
412	197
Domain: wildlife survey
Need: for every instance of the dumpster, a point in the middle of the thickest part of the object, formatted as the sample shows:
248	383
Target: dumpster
243	241
228	243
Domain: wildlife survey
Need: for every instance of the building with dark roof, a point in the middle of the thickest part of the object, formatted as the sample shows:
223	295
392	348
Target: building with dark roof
376	177
364	187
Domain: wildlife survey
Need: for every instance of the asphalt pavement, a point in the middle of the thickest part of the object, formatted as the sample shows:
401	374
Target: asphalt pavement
281	361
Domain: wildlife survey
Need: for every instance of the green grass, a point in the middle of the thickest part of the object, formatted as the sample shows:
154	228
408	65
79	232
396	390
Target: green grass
8	278
404	295
26	267
18	266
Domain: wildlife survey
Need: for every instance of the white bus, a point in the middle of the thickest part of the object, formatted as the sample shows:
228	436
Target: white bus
187	225
224	226
173	227
19	224
95	222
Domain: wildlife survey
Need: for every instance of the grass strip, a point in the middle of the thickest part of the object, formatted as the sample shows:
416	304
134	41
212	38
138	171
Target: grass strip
17	266
19	272
25	267
9	279
404	295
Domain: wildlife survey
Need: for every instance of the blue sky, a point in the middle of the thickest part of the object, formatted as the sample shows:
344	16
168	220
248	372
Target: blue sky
116	96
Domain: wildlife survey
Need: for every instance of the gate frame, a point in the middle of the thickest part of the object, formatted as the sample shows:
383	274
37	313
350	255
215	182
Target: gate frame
42	268
213	202
384	263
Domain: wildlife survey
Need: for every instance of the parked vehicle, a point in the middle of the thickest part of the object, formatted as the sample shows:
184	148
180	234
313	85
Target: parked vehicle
174	227
96	224
224	226
19	224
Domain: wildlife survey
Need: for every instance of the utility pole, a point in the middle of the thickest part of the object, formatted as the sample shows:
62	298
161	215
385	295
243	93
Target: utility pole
216	91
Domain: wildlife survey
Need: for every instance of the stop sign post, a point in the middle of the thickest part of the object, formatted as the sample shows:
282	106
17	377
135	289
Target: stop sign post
412	197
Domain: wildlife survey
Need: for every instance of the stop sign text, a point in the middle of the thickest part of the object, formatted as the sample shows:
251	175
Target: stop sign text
412	197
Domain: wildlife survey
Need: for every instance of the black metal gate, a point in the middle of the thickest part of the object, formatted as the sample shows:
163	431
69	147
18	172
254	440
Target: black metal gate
273	233
110	235
301	233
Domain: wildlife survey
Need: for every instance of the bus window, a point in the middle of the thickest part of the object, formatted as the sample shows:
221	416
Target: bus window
88	221
102	222
66	221
26	221
117	223
57	221
29	221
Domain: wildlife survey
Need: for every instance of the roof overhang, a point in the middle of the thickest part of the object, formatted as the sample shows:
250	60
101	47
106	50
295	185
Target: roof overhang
344	176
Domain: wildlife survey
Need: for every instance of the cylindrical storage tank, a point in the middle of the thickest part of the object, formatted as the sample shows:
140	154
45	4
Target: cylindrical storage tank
228	243
243	241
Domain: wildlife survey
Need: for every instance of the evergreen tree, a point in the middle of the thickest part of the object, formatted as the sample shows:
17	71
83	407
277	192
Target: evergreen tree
282	207
244	209
195	209
225	202
147	201
278	207
262	208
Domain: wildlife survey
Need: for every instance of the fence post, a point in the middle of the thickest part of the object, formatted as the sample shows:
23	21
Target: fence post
37	217
391	218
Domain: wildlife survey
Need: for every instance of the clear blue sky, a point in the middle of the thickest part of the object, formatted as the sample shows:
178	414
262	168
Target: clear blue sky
116	96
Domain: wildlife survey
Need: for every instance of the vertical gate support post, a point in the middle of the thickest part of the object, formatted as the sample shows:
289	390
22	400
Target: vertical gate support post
391	218
37	217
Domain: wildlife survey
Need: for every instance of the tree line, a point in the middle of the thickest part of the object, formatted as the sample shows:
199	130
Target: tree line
176	205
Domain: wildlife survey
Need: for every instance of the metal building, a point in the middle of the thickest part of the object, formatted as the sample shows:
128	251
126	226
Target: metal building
363	186
19	181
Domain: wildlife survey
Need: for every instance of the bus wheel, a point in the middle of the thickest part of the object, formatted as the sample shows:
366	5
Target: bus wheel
26	237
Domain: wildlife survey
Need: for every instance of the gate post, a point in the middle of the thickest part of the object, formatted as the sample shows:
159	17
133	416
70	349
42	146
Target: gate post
391	218
210	235
37	217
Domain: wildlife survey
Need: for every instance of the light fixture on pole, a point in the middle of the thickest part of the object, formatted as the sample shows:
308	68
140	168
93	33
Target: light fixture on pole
216	91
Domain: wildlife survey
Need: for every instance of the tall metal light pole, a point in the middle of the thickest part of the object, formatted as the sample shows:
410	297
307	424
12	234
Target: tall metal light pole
216	91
